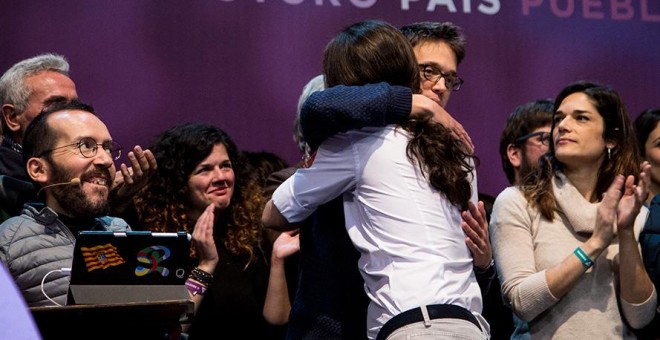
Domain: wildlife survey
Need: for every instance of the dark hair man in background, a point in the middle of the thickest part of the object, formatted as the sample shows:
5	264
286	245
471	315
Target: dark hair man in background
525	138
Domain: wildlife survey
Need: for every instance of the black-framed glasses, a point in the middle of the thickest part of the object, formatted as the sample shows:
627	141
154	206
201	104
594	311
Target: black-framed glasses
433	74
544	137
89	147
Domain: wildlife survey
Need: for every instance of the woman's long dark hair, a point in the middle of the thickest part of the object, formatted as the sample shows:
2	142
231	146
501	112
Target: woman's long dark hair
618	129
373	51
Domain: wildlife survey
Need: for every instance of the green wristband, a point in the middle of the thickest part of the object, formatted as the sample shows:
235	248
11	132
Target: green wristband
586	261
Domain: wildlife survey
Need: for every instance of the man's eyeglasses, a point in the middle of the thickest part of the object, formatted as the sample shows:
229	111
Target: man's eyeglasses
89	147
544	137
433	74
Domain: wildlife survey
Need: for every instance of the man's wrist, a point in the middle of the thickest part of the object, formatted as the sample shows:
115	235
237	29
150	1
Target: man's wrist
489	266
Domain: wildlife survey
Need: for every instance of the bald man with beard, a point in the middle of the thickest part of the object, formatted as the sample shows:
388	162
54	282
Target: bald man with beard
70	155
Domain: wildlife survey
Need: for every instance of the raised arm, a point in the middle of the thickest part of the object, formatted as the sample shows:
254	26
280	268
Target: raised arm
278	303
523	286
204	243
131	179
530	291
342	108
636	288
272	218
331	174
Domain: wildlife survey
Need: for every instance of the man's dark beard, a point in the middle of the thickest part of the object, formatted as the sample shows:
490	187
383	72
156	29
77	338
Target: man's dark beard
72	199
527	169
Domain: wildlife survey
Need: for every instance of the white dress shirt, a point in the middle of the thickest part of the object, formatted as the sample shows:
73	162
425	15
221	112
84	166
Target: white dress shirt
412	247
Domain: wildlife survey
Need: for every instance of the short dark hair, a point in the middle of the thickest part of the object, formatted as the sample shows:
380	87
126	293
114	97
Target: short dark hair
644	124
421	32
39	136
523	120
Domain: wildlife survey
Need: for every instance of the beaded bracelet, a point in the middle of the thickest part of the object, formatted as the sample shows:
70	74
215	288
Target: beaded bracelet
195	287
201	276
586	261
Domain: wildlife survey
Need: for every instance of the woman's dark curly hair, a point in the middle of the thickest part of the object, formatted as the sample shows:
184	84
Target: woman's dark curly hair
373	51
163	204
442	159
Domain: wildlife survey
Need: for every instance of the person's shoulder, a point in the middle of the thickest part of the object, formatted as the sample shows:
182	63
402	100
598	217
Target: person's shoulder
510	201
10	226
281	175
369	133
512	193
652	220
11	163
16	227
15	222
278	177
7	151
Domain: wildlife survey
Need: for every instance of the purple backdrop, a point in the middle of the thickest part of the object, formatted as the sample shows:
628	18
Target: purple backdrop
241	64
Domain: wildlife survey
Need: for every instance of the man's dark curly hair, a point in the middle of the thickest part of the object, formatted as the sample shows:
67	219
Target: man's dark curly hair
163	204
433	32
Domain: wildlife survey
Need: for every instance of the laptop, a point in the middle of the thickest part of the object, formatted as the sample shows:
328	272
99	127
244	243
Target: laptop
123	267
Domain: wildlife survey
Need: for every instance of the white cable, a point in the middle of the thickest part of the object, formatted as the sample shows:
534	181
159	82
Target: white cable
68	270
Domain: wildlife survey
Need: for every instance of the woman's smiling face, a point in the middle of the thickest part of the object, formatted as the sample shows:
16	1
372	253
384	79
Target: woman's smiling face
212	181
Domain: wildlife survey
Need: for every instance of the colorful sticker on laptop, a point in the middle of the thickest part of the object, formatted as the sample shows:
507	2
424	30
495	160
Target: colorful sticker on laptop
152	257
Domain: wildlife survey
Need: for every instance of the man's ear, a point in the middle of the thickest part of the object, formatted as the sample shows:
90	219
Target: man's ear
38	170
514	154
11	117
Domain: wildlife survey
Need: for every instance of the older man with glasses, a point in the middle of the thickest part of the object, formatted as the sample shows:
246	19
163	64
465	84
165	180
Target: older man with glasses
525	138
27	88
70	155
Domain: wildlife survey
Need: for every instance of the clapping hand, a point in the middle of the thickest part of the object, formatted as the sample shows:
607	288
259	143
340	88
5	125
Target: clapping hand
129	180
203	241
475	226
633	198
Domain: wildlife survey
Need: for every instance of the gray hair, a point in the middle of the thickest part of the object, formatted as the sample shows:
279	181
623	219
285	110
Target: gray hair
12	83
316	84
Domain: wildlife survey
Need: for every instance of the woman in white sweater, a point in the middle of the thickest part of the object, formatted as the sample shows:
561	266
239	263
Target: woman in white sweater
565	242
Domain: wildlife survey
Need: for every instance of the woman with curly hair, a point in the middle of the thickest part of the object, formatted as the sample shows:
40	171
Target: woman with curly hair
202	187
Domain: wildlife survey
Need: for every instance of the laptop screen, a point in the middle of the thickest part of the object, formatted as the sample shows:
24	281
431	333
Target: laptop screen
130	258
